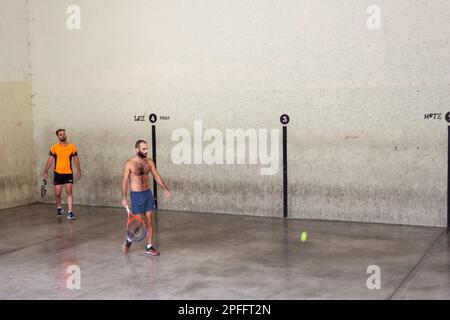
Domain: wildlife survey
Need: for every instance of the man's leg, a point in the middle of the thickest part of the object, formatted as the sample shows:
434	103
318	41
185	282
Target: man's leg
149	225
69	191
135	210
58	192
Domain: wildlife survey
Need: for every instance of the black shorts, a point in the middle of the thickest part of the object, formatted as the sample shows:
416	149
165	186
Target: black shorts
59	178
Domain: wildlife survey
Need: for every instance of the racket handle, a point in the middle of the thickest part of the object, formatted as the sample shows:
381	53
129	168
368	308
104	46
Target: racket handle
128	209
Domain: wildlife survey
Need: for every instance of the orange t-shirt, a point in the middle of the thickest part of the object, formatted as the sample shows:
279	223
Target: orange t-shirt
63	157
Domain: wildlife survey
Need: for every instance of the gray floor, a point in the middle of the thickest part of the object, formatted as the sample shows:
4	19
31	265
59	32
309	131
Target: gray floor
208	256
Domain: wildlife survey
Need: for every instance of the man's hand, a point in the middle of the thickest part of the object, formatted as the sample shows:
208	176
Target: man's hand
78	176
167	193
124	202
45	175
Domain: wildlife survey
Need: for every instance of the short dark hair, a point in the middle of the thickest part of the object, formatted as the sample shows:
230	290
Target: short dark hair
57	131
138	143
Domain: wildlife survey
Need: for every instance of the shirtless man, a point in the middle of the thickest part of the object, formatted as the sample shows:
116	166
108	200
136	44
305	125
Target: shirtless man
137	170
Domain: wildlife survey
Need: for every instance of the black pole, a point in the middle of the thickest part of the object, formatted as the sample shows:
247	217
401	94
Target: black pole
155	185
285	176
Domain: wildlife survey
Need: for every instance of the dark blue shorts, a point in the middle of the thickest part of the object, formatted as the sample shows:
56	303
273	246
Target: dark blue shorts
142	201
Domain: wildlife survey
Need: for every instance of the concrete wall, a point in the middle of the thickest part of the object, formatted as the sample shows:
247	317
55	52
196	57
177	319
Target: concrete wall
359	147
17	165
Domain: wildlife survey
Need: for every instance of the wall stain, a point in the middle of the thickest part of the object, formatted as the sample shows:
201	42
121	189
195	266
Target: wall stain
16	190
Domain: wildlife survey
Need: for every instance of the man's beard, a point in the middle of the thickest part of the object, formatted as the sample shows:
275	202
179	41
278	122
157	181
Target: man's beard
142	155
62	139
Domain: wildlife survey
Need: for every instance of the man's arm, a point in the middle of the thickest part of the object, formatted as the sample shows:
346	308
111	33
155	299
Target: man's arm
47	166
77	164
125	177
158	178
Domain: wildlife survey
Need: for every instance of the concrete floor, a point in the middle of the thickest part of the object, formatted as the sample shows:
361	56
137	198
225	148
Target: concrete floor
208	256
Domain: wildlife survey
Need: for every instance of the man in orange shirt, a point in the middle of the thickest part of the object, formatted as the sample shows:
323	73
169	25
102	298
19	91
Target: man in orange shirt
63	153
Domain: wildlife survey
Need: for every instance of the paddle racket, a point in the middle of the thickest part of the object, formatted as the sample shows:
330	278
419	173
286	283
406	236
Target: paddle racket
136	230
43	188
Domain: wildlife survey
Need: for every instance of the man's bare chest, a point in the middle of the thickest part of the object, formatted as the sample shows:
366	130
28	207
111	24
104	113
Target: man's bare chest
140	168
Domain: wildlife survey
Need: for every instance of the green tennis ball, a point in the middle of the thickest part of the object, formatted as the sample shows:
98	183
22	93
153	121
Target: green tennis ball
303	236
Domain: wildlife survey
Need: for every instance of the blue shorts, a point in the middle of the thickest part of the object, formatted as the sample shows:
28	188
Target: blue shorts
142	201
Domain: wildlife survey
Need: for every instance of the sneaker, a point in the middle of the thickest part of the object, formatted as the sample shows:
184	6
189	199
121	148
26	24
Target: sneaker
59	212
151	251
126	246
71	216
